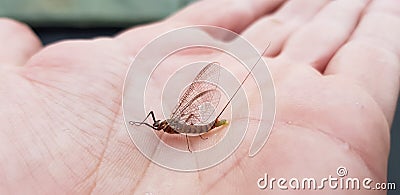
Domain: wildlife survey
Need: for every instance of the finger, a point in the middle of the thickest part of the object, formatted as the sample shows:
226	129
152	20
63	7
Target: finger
371	58
315	43
234	15
18	42
277	27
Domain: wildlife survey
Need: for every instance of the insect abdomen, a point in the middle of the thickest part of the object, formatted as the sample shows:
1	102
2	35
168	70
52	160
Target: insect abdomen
190	129
199	129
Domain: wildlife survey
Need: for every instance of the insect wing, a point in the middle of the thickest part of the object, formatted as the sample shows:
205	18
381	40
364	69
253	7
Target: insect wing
200	100
201	109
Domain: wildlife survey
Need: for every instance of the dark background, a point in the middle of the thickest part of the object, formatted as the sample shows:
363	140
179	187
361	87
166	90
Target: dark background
70	19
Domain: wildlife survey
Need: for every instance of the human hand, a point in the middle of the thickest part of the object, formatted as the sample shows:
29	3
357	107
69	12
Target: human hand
336	86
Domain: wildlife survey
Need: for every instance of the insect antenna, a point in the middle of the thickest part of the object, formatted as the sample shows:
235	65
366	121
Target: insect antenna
241	84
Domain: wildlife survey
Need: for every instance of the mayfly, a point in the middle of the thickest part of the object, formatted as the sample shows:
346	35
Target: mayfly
192	114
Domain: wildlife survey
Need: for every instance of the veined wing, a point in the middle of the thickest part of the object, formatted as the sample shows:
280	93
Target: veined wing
200	100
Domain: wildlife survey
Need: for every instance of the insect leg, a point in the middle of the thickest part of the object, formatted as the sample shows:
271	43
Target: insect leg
152	116
151	126
203	138
143	122
151	113
187	142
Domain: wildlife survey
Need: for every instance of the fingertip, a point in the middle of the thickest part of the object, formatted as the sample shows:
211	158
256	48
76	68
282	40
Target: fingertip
19	42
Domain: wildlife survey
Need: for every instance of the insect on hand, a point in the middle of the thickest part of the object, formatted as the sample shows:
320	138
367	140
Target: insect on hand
192	114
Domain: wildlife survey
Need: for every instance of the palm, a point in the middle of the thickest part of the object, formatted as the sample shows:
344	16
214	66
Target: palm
63	127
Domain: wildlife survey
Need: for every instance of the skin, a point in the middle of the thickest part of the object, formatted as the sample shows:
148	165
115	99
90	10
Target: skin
335	66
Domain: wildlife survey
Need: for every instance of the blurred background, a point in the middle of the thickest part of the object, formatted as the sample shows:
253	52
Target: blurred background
55	20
